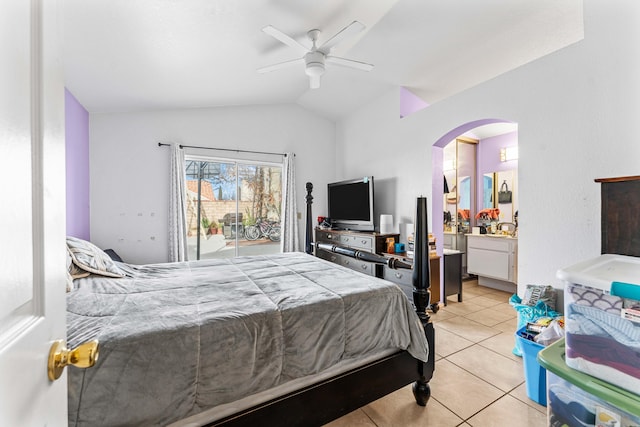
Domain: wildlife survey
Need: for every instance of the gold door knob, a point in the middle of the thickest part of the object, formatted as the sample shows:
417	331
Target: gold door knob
83	356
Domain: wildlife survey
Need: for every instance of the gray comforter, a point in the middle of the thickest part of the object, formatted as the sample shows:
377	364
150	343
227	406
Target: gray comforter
179	338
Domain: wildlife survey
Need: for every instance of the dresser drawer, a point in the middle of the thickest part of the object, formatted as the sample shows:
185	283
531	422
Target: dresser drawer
357	242
400	276
329	256
327	236
404	278
364	267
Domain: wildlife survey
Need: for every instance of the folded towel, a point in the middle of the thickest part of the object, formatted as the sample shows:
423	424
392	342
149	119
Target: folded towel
490	213
464	213
593	321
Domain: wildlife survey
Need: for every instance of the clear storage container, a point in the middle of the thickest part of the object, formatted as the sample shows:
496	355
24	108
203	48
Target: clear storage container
602	318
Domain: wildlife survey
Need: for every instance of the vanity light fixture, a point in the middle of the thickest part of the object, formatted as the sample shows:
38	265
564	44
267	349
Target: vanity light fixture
509	153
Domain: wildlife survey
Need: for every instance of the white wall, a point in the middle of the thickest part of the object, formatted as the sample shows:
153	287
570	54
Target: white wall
130	173
577	112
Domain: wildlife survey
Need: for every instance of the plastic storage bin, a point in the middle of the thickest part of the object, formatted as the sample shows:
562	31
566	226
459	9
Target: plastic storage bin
535	376
602	318
529	313
577	399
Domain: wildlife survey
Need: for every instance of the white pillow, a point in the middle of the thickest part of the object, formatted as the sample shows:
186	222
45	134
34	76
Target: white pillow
71	267
73	270
91	259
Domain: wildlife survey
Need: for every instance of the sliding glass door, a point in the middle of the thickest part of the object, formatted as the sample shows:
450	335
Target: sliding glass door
233	208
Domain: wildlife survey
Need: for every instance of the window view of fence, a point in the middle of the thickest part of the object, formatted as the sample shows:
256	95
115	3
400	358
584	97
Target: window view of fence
233	209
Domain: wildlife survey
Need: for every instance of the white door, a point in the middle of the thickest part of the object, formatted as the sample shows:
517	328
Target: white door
32	216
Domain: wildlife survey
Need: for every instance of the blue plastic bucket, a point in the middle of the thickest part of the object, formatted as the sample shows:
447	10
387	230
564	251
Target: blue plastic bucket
535	376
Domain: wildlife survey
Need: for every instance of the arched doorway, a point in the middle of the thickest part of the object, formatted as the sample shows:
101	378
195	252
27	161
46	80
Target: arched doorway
491	135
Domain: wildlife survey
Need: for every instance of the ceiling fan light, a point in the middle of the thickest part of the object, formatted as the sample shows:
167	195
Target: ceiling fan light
314	69
314	82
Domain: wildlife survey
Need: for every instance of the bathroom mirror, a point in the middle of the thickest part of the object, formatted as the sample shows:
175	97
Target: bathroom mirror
450	202
506	189
459	169
464	184
464	204
492	185
488	197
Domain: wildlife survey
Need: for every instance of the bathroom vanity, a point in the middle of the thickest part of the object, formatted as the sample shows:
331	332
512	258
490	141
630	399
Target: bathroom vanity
494	259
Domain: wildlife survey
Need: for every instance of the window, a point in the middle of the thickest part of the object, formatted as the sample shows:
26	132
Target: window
233	207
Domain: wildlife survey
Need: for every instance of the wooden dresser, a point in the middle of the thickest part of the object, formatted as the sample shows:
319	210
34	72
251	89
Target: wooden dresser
366	241
376	243
404	279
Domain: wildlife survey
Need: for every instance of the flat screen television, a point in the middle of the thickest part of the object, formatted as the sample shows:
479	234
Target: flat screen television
351	204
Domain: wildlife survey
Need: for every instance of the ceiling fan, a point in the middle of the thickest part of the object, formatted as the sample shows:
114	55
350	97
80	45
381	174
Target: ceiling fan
314	57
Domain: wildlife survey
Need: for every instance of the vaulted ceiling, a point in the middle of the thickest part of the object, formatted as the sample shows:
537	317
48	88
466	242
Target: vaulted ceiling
124	55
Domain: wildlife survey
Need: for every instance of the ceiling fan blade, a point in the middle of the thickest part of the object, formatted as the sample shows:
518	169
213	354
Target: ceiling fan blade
349	63
280	65
350	30
314	82
289	41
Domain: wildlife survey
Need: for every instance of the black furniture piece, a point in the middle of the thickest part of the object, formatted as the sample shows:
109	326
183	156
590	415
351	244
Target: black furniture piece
452	264
361	240
404	279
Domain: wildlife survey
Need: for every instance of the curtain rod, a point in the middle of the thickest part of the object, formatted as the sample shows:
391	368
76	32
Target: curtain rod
160	144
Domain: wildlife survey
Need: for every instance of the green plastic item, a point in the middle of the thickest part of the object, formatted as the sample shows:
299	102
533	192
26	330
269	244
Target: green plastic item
552	359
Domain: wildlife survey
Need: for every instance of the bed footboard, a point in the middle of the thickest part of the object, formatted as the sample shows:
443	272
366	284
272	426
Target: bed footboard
421	388
421	279
331	399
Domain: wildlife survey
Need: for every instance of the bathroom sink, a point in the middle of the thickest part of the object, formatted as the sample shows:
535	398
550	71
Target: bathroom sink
495	236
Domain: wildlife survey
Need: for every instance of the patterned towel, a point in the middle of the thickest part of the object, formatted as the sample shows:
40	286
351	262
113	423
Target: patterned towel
593	321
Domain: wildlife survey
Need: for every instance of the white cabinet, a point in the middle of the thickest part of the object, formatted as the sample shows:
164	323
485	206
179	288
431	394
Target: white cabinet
457	242
449	240
494	257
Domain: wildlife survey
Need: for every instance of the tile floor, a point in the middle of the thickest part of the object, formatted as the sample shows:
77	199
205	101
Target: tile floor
477	382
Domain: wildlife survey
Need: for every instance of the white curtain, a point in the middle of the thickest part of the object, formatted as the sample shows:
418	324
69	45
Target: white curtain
177	207
290	241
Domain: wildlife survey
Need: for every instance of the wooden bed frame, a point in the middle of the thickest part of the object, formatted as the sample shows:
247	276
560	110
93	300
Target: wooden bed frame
330	399
620	224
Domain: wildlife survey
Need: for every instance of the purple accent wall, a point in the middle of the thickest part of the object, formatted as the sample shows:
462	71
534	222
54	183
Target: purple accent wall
410	103
77	167
462	129
488	158
489	153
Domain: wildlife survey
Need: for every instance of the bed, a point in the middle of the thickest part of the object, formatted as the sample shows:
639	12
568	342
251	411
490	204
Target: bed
286	339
